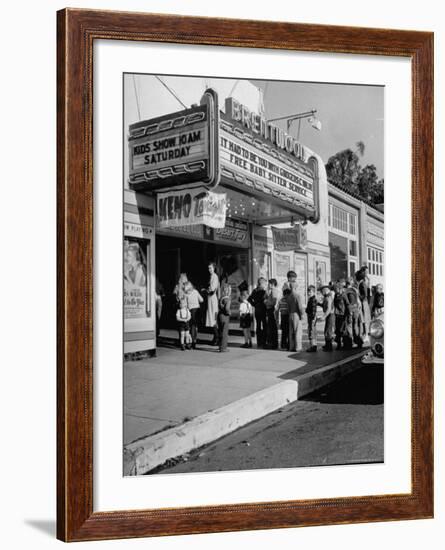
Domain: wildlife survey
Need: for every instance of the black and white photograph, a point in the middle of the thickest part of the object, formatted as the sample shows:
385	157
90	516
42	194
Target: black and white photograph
253	274
213	199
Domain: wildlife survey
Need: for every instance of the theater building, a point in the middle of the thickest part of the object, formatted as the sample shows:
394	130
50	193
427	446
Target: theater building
217	182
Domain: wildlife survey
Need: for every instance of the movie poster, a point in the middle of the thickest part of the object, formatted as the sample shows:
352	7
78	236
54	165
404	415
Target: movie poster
136	303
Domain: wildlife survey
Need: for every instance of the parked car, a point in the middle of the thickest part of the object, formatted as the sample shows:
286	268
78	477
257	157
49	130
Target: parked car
375	356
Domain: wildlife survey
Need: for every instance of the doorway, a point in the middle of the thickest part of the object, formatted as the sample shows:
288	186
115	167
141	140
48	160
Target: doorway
176	255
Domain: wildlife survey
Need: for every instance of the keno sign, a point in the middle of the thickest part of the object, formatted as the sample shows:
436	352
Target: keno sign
191	207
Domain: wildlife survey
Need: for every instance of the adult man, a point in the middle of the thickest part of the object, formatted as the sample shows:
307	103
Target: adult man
257	300
295	313
271	301
354	318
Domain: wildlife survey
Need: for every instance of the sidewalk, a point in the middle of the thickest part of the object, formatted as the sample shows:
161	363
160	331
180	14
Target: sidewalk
181	400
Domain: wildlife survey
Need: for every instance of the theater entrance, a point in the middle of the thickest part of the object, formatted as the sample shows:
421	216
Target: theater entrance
175	255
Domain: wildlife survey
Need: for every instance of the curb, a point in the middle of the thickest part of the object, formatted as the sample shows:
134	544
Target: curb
146	454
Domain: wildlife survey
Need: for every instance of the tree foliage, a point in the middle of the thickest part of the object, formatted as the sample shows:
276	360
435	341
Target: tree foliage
344	169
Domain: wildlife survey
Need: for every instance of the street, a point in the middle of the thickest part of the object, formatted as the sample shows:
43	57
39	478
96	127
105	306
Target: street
339	424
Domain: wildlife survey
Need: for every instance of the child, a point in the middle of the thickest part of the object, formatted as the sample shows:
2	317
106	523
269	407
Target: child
224	317
256	299
270	302
245	318
194	299
329	318
311	312
341	314
183	317
378	301
283	314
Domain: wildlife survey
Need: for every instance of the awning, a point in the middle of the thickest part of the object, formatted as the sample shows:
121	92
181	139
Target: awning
249	207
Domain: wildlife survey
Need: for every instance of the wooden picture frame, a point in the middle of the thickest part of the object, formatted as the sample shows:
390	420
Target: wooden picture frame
77	31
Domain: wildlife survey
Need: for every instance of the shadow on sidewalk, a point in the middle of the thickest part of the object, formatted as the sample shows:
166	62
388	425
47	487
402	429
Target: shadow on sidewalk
312	361
365	386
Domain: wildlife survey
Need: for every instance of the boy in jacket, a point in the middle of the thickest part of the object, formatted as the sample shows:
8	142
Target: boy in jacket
224	317
329	318
311	312
341	313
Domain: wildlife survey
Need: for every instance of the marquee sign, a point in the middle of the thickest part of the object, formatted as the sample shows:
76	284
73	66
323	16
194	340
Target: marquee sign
258	157
176	149
199	146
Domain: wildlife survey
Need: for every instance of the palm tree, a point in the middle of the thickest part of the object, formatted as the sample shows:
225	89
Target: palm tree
360	148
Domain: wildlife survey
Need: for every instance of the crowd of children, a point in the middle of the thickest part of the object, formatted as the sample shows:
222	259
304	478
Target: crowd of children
344	308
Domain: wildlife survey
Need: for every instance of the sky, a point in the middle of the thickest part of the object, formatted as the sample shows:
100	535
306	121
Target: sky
348	113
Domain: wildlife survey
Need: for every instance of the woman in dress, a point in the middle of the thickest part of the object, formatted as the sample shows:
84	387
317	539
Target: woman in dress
212	302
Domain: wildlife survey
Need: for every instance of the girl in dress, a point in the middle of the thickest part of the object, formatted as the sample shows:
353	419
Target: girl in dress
194	299
183	317
245	318
179	293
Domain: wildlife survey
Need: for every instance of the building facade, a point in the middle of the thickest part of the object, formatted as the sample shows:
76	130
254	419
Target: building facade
356	236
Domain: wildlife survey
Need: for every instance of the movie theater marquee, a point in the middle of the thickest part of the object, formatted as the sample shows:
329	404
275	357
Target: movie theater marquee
238	149
264	157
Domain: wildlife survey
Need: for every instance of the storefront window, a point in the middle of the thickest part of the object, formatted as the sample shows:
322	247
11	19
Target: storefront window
352	224
300	270
342	220
339	256
320	273
375	261
233	269
136	282
352	269
339	219
352	248
261	258
282	266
